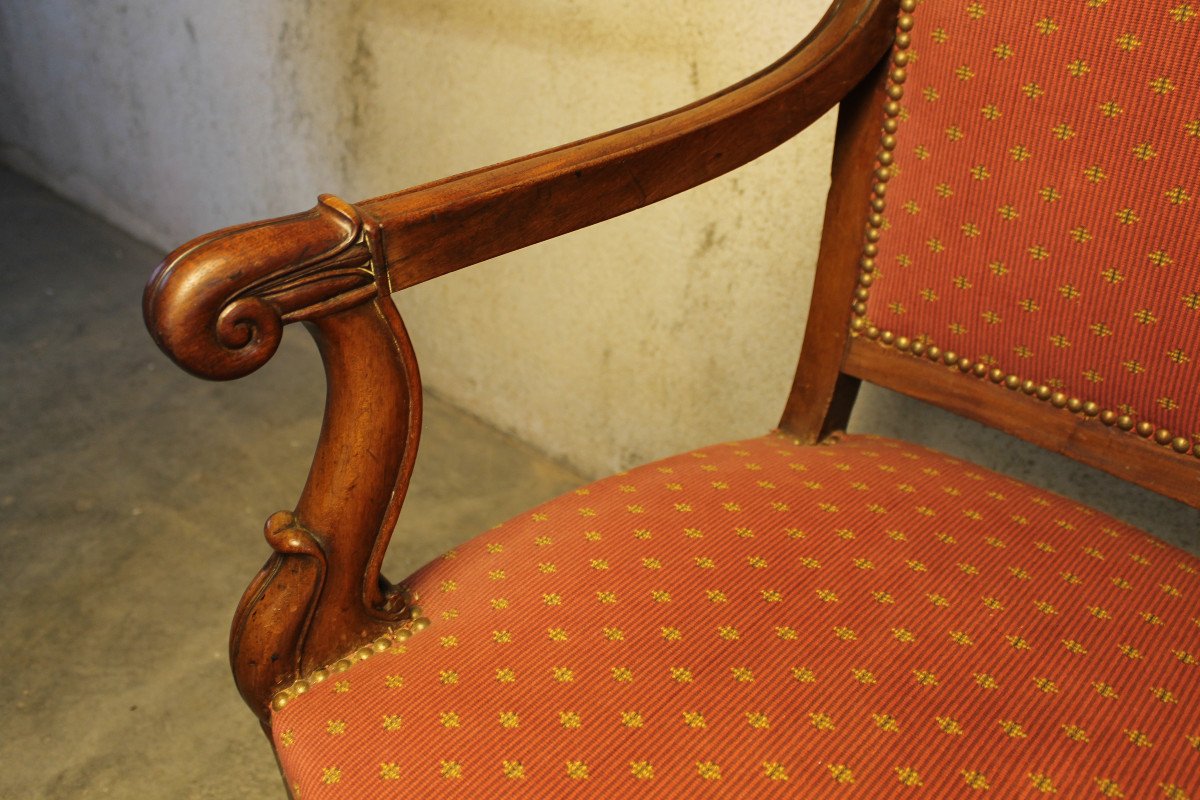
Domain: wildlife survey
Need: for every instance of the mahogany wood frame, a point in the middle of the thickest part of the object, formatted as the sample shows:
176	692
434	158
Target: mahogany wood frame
217	306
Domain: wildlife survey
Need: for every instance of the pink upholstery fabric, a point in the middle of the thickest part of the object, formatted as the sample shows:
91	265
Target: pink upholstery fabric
760	619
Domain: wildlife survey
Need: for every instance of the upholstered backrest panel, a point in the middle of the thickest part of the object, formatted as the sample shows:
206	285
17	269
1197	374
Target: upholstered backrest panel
1042	212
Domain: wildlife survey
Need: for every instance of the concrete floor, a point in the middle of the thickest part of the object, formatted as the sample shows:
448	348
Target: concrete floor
131	497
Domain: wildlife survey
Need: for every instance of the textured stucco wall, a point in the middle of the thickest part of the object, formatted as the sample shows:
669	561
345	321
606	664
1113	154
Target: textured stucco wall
670	327
172	117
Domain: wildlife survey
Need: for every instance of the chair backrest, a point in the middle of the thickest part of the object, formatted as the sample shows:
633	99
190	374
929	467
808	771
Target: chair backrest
1030	255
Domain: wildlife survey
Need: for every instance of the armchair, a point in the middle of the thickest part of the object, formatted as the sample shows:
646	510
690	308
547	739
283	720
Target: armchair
1009	235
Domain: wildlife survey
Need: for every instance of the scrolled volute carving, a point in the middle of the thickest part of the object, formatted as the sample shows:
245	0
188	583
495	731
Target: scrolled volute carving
218	304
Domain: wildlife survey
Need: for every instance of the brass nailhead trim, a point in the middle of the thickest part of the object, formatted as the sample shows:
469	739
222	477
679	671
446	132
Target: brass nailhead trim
415	623
860	326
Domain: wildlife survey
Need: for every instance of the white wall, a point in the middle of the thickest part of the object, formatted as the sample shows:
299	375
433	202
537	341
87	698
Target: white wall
671	327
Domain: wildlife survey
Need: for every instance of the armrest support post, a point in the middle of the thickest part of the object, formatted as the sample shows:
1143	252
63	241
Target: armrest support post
217	306
320	596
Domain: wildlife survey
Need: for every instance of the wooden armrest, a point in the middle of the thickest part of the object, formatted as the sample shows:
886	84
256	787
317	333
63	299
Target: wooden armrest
439	227
218	304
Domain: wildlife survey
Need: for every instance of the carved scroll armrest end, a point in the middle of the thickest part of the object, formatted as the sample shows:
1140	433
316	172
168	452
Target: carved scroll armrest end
218	304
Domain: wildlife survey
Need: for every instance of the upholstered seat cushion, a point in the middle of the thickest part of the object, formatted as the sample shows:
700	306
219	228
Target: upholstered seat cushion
758	618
